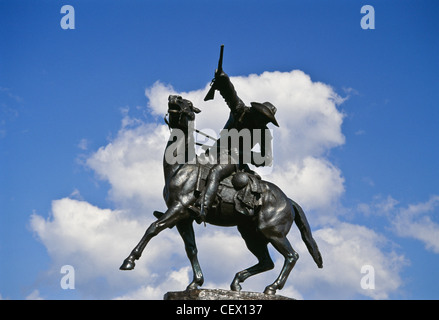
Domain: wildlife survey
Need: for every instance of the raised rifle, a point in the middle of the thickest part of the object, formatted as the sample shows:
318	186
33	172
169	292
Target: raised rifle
211	94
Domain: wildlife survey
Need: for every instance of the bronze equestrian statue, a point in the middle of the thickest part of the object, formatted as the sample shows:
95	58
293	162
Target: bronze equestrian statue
266	219
223	191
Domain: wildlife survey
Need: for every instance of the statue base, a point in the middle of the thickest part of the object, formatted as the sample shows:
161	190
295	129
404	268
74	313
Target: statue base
220	294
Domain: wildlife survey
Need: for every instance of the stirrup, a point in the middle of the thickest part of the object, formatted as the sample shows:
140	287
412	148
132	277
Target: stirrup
197	214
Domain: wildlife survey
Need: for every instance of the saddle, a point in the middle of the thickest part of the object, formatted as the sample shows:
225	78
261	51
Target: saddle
241	190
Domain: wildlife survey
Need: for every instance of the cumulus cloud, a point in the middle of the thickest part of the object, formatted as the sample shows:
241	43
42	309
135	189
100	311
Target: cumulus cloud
313	182
174	281
85	236
75	222
346	248
96	240
126	163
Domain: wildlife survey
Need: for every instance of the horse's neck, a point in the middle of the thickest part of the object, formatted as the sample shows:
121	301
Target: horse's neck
179	150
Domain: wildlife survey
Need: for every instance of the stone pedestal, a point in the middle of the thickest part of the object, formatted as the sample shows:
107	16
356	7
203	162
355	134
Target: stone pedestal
220	294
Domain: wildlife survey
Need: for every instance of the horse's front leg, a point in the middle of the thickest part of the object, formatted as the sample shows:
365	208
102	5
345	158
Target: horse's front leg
174	214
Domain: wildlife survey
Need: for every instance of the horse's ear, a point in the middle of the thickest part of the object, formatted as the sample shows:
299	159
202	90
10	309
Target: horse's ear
196	110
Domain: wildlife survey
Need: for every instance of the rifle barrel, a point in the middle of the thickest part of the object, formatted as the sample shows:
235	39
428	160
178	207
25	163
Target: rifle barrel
220	61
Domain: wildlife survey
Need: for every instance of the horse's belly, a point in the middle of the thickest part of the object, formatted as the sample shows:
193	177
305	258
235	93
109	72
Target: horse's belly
224	215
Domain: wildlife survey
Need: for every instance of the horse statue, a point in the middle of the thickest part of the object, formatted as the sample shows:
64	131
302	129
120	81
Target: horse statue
269	222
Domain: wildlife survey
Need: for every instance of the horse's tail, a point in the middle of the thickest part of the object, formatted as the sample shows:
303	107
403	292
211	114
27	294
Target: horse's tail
305	231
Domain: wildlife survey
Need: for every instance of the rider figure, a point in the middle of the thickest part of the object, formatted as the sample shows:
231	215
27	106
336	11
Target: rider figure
241	117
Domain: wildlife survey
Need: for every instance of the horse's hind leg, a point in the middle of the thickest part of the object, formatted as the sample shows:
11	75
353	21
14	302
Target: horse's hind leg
284	247
186	230
257	244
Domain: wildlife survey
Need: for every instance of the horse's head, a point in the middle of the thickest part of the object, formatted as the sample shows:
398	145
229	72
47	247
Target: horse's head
180	111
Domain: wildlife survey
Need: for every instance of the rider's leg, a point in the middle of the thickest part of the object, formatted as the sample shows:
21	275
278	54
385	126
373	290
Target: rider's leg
216	174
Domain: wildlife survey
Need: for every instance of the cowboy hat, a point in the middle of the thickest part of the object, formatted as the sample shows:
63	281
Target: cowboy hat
266	109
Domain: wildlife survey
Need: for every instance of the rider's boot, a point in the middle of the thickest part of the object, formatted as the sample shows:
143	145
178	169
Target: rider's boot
208	198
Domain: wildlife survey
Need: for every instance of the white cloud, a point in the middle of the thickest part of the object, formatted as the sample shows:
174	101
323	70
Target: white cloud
34	295
174	281
126	164
83	144
85	236
414	222
95	241
345	249
379	206
314	182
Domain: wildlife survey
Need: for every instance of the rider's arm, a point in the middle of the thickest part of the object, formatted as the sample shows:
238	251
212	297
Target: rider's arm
228	92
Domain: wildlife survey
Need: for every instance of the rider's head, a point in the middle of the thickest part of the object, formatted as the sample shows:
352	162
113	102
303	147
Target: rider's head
263	113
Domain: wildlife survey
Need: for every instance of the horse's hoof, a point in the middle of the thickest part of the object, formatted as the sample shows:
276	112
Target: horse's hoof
270	291
192	286
235	287
127	264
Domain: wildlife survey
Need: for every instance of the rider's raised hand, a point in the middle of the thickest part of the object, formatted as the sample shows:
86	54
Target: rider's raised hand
221	79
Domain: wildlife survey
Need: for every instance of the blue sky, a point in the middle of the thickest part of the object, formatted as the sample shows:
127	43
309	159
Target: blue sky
64	96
